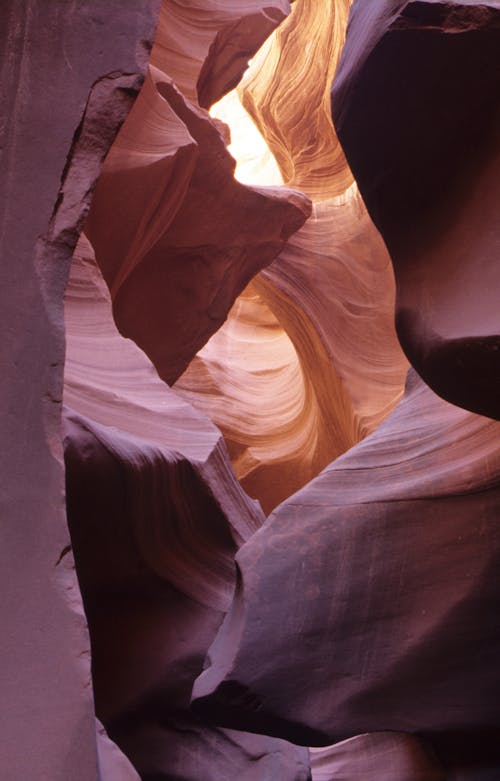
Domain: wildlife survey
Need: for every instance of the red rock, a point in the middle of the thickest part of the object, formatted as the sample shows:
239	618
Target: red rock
310	346
205	45
415	104
191	238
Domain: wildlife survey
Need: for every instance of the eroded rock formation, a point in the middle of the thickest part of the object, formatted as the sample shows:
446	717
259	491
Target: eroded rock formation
360	618
156	516
60	75
416	104
330	291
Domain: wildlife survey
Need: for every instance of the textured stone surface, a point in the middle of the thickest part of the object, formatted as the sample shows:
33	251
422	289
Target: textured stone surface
365	615
205	45
156	516
390	560
390	756
311	346
54	56
191	237
416	105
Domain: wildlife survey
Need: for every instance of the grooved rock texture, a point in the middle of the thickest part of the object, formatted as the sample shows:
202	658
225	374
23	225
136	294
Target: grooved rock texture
195	236
416	103
311	345
390	558
390	756
58	62
236	340
156	516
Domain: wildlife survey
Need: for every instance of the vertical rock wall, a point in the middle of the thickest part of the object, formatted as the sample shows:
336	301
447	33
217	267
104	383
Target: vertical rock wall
59	60
362	616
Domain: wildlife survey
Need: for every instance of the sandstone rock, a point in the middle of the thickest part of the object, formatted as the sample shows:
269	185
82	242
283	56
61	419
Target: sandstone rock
156	516
205	45
391	756
310	346
390	563
415	104
56	59
191	237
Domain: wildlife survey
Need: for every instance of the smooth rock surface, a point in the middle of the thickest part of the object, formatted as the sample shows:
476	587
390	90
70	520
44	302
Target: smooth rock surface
310	346
191	238
58	60
391	756
416	106
156	516
390	560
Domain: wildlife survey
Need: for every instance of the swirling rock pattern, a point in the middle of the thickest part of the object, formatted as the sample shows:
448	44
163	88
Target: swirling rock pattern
331	369
156	516
192	237
362	616
416	105
390	560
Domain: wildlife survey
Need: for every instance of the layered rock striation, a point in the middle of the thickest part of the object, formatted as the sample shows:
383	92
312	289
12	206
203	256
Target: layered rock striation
278	273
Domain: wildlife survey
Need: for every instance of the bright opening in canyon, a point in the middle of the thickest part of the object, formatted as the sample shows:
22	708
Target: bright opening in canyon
251	335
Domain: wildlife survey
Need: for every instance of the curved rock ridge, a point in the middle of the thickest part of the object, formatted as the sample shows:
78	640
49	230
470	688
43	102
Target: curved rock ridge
391	756
416	105
331	289
390	558
174	232
156	516
169	453
308	363
287	94
205	45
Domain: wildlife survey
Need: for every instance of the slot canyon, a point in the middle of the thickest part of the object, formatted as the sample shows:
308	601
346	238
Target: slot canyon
250	405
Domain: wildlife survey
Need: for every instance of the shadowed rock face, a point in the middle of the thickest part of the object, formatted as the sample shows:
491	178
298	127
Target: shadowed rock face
362	616
416	106
172	230
310	347
390	560
58	62
155	516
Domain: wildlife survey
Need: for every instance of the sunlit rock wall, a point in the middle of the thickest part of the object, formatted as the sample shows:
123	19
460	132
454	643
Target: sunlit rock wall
390	556
331	369
231	350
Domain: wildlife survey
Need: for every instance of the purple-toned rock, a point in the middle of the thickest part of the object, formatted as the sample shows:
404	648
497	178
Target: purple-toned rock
369	600
156	516
59	61
416	105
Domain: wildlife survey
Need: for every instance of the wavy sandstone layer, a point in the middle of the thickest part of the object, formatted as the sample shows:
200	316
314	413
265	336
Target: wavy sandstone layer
331	369
234	249
155	516
390	557
174	232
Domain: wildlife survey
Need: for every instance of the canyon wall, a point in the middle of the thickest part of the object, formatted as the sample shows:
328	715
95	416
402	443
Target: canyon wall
265	344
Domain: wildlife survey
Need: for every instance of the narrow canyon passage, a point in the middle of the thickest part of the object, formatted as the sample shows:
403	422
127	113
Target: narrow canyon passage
268	414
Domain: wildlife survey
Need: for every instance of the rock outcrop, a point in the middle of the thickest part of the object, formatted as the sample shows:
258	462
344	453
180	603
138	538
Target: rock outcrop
156	516
390	560
66	69
416	105
248	287
311	347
